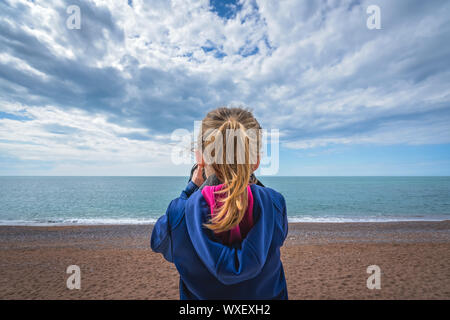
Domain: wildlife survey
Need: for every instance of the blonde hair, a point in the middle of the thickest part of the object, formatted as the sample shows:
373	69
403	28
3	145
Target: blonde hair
231	169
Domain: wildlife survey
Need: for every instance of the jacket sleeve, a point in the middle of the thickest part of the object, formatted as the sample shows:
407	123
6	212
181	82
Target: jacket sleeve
282	220
161	239
285	220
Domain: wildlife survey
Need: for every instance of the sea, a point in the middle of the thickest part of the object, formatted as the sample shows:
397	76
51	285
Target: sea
140	200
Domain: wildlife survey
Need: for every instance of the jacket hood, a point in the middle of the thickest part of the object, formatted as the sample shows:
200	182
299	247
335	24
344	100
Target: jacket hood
231	265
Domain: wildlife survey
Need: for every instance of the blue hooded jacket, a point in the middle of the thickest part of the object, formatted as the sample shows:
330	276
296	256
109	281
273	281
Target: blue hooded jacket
211	270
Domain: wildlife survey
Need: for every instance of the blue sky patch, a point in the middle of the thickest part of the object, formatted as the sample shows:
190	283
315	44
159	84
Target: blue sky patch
5	115
226	9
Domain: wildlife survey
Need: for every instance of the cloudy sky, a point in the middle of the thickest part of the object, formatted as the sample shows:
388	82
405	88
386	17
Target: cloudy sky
105	98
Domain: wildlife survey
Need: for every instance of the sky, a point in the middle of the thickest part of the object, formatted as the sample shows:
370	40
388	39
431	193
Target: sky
105	99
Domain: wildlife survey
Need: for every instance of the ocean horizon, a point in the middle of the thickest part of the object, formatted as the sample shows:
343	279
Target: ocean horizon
94	200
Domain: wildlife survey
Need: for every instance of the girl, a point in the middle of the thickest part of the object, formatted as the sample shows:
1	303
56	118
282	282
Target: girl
224	233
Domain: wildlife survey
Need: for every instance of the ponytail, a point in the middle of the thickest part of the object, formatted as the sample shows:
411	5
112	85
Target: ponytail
235	169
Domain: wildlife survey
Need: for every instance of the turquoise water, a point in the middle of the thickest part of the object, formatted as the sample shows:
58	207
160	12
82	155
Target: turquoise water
98	200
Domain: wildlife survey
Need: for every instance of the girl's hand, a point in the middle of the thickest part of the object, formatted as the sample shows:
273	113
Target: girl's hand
197	177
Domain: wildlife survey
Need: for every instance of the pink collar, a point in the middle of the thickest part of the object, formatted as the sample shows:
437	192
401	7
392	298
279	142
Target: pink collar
238	233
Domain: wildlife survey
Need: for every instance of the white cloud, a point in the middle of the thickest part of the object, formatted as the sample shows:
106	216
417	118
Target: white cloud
55	135
311	69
